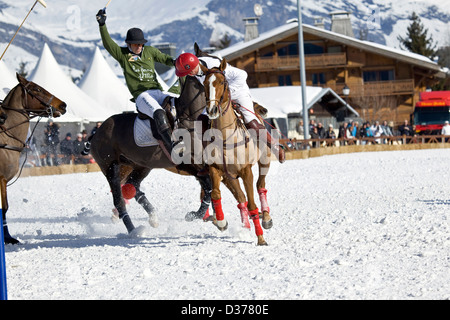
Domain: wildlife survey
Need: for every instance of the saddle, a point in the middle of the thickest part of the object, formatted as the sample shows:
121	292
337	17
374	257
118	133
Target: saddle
145	132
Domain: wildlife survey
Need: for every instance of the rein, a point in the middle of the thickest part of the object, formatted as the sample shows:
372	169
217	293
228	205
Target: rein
222	112
28	114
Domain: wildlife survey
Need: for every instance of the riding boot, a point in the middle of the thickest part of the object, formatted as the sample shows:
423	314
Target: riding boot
276	148
164	130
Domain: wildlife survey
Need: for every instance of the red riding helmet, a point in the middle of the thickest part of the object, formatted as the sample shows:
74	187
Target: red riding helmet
185	63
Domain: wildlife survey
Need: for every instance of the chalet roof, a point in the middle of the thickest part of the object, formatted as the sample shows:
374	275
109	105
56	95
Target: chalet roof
291	28
282	101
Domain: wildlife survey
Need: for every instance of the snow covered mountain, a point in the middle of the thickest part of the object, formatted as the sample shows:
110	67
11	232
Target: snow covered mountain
71	31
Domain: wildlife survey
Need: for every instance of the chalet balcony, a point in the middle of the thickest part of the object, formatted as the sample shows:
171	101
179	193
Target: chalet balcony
377	88
312	61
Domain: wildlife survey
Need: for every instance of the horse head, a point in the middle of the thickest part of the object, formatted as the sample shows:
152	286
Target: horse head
216	90
39	101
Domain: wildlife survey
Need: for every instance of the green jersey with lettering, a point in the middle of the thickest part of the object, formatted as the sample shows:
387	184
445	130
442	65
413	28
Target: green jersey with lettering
139	70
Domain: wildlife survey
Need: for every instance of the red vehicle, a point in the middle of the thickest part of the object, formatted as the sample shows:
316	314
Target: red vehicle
431	111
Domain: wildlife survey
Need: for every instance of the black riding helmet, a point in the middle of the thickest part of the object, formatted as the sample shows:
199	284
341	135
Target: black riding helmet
135	36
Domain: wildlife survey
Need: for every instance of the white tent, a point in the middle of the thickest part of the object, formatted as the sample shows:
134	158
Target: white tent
102	84
8	80
80	107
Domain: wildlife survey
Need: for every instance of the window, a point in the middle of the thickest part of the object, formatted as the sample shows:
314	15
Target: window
289	50
311	48
284	80
378	75
318	79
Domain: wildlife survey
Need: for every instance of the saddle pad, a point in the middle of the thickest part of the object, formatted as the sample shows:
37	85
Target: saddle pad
143	135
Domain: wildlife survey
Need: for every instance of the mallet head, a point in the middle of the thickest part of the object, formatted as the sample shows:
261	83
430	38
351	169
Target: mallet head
43	3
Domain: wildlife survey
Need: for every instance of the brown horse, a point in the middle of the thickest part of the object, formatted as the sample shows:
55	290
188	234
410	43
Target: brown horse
232	153
25	101
122	161
263	161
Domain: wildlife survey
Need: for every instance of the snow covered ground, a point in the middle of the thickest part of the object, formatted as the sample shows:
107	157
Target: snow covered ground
352	226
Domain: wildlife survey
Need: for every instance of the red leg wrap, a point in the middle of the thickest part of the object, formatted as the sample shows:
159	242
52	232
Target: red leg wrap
217	205
244	215
254	214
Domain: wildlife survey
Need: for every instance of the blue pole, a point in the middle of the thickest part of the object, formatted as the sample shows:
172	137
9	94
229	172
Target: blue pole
3	288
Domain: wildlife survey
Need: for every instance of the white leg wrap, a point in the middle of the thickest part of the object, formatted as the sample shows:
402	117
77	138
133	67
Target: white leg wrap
221	223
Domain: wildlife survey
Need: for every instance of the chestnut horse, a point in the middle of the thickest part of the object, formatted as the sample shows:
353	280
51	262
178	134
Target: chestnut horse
25	101
263	161
232	153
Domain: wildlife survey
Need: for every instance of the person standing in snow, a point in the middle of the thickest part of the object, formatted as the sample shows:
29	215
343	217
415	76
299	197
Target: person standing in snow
188	64
446	130
138	65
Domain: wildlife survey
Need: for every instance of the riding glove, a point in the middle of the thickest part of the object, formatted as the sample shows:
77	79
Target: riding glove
101	17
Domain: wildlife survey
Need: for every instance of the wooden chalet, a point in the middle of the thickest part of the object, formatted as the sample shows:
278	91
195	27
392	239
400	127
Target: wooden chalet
384	82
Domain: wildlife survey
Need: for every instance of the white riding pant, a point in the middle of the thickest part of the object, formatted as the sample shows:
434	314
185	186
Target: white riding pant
151	100
246	102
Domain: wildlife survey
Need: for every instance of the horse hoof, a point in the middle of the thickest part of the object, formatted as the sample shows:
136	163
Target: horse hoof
193	215
153	221
222	225
11	241
267	224
115	216
261	241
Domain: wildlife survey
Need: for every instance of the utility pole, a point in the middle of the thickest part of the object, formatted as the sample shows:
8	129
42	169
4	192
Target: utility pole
301	49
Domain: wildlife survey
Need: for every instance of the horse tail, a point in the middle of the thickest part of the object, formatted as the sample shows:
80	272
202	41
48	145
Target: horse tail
87	147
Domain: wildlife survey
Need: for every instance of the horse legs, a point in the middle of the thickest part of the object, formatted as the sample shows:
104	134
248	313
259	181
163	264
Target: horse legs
135	178
234	187
219	218
113	177
267	222
206	185
7	237
247	179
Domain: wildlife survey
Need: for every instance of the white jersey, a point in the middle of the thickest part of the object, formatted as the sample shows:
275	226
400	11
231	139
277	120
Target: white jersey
237	78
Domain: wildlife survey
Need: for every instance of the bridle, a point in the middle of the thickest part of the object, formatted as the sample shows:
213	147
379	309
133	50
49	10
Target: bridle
48	111
28	114
226	90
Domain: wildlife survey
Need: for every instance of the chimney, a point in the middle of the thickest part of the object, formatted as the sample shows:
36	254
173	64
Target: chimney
340	23
167	48
319	23
251	28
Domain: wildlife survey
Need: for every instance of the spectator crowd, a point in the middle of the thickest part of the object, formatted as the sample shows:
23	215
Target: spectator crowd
353	132
66	151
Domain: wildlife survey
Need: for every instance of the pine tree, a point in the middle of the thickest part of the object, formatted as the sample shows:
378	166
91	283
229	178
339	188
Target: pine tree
417	40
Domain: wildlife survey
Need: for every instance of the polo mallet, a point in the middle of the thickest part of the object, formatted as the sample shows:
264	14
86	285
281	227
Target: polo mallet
107	5
44	5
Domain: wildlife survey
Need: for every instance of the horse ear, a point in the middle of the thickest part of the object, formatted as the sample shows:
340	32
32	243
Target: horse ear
21	79
223	65
197	50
